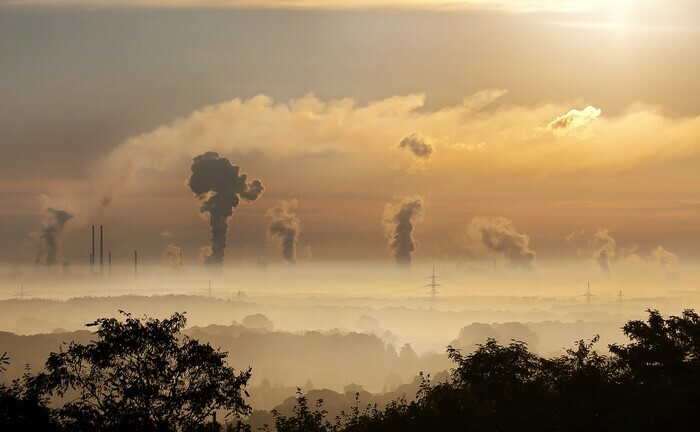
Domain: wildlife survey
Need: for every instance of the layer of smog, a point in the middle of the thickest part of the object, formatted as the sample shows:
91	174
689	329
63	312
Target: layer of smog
297	326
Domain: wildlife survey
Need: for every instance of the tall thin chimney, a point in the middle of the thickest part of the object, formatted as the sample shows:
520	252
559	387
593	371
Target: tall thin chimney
136	263
109	260
102	255
92	256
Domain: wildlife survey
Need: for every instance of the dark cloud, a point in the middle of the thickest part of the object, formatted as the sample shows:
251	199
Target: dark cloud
219	186
498	237
285	227
48	234
399	220
417	145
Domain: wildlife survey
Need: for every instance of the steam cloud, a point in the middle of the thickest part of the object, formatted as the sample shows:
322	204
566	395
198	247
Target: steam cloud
498	237
285	227
173	256
604	249
399	220
659	258
220	187
663	257
417	145
48	234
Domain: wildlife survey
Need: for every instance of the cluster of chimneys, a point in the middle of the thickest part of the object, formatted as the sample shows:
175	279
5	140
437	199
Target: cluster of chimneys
109	256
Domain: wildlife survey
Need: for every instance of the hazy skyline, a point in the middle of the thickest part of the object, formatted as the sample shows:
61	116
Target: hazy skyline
547	130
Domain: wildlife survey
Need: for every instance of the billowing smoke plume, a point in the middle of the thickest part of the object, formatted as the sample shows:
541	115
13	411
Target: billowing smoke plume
417	145
48	234
604	249
284	227
663	258
498	238
399	220
659	258
220	187
173	256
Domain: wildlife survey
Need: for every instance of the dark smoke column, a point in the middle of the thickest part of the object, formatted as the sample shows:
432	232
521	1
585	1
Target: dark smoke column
220	187
285	226
399	220
48	233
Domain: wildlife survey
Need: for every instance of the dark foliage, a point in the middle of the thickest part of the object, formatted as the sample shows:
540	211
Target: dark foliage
22	407
649	385
138	375
142	375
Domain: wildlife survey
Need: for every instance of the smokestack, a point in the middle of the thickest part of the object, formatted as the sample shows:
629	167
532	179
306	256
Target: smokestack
136	263
102	255
109	260
92	256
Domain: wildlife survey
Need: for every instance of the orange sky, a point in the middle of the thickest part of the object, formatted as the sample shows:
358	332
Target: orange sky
562	123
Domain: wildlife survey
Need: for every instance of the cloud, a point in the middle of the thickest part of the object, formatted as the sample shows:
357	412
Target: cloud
573	120
507	5
399	220
418	145
498	238
509	138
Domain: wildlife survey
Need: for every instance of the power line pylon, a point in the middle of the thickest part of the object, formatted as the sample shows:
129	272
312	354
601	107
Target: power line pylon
433	288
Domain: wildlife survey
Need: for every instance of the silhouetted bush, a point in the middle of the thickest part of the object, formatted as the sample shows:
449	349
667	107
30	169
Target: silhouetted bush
143	375
651	384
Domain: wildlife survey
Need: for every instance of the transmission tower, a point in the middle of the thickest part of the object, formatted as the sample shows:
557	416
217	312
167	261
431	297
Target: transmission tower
433	285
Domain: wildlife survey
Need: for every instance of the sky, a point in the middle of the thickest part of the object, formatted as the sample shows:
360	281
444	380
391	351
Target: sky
517	131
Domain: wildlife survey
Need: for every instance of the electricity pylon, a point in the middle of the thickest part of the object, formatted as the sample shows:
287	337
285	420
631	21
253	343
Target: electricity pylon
433	288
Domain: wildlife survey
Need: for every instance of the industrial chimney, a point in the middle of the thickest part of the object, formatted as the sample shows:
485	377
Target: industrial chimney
102	256
92	255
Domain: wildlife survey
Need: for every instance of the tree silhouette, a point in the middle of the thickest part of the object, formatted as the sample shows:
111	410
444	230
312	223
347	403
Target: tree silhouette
651	384
141	374
22	407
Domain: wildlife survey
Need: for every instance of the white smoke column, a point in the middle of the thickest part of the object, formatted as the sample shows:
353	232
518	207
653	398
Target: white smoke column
284	227
399	220
605	248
